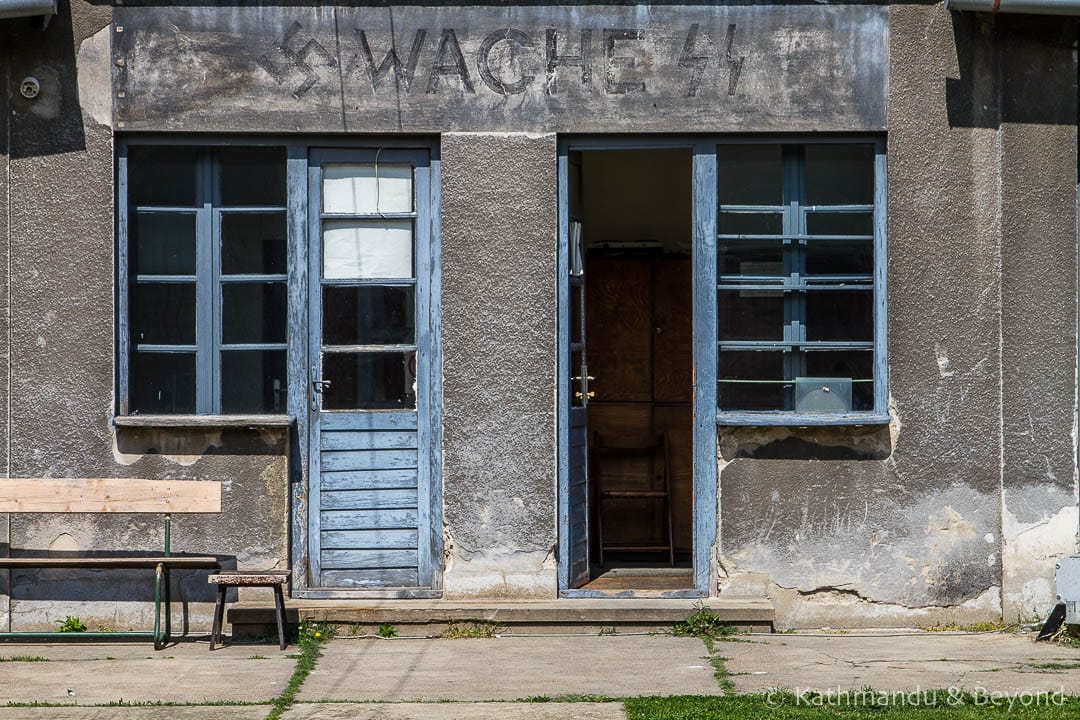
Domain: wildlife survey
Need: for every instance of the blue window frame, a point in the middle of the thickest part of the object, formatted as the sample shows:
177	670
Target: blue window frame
800	300
203	280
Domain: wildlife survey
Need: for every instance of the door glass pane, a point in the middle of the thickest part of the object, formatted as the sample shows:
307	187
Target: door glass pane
163	313
577	249
839	174
369	381
367	189
253	243
826	223
855	364
737	223
840	257
253	312
252	176
162	175
751	257
369	315
368	249
750	174
840	315
577	312
751	315
164	243
758	380
162	382
253	381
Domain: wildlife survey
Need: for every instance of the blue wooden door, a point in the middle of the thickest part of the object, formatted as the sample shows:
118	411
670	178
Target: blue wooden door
370	363
576	393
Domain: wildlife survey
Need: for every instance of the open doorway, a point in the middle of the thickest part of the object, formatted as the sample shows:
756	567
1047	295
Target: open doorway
631	212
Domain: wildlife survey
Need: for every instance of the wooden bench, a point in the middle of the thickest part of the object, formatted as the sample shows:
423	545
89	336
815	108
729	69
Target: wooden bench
112	495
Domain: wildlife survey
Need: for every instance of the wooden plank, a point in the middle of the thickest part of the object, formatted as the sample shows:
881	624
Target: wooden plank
370	539
368	440
369	479
673	352
128	495
678	422
704	294
255	65
205	421
577	457
368	459
368	559
622	424
368	421
387	578
387	519
618	305
369	500
112	563
298	382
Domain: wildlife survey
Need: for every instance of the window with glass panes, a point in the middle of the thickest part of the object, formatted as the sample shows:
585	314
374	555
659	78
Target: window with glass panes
207	280
797	269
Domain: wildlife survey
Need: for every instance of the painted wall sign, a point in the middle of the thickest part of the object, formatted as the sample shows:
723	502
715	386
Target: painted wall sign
538	68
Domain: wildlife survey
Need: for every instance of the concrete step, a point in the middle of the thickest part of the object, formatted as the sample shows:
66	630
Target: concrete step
430	617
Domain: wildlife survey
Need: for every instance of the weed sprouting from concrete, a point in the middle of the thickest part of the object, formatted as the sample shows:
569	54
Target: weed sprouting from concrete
387	631
720	672
568	699
70	624
1056	666
986	626
705	624
23	658
609	630
468	629
310	637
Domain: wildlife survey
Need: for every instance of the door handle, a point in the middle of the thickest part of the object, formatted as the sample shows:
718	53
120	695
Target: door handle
317	388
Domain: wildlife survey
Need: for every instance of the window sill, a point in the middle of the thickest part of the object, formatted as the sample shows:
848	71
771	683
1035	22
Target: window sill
204	421
790	419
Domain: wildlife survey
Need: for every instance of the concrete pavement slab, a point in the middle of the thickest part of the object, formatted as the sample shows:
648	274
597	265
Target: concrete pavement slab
510	668
90	674
996	662
457	711
214	712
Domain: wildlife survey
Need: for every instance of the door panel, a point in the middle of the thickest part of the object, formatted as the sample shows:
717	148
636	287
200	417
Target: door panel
370	358
578	394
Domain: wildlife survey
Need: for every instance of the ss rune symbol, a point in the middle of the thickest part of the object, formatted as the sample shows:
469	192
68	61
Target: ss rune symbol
297	58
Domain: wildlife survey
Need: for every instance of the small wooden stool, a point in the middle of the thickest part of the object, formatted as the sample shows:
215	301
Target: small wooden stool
249	578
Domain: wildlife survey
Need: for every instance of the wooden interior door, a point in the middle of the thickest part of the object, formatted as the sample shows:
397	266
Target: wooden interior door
640	348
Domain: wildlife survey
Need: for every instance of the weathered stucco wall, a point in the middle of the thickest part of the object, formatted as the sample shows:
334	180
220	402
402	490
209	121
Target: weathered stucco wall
909	525
1038	306
955	511
499	454
5	163
58	243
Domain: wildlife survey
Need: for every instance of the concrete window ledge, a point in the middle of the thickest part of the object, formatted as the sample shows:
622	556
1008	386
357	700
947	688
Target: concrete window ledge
204	421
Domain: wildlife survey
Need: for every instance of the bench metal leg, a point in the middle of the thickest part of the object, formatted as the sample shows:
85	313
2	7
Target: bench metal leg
219	616
159	574
279	606
168	606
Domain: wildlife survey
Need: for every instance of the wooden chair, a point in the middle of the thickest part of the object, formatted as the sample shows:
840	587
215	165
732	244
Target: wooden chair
658	457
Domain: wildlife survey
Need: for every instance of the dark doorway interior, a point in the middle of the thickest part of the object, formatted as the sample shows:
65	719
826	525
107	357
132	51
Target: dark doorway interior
636	214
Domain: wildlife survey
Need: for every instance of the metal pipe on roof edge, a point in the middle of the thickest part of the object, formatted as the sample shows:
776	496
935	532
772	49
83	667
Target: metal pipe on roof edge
26	8
1031	7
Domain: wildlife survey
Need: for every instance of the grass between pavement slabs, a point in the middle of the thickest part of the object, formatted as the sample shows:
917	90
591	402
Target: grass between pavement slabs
858	705
310	638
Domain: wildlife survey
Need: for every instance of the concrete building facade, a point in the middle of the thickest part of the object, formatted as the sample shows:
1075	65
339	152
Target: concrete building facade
398	400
